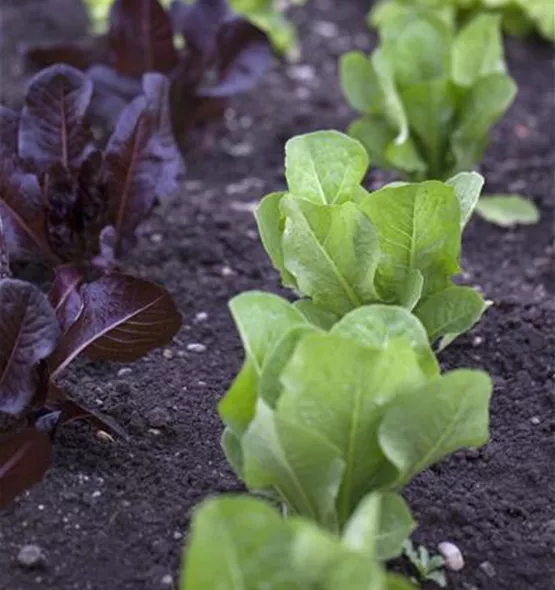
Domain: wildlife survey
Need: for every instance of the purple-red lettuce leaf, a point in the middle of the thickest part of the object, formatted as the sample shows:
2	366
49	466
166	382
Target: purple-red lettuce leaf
52	127
243	56
24	459
123	319
29	333
77	209
199	23
9	123
23	214
141	37
77	54
5	272
131	169
112	93
157	90
65	296
70	410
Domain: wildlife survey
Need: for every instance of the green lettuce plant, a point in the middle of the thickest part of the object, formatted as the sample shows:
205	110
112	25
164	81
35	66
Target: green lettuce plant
319	418
342	247
428	96
519	17
245	544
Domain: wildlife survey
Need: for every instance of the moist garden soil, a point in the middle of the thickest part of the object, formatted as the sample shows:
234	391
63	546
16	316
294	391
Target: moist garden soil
114	516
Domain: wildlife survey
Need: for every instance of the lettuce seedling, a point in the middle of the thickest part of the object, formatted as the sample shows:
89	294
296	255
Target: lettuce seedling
319	418
117	318
223	55
62	199
342	247
428	96
519	17
257	548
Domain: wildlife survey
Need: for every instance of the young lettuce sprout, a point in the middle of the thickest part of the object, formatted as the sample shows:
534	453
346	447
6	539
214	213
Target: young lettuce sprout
61	197
343	247
319	417
254	544
429	96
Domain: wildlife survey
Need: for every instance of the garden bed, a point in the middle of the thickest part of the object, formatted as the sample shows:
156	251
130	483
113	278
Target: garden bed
115	515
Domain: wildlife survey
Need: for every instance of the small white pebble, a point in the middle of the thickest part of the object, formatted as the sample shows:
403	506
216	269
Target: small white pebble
477	340
239	150
154	431
201	316
452	554
301	72
535	420
96	494
168	354
30	556
167	580
488	569
196	347
125	371
177	535
156	238
326	29
227	271
201	383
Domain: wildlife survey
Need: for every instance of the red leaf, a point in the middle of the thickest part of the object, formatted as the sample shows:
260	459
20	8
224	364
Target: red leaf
72	411
123	319
24	459
157	88
131	169
52	127
112	93
29	332
23	213
69	410
5	272
64	295
77	209
78	54
9	123
141	37
199	22
244	55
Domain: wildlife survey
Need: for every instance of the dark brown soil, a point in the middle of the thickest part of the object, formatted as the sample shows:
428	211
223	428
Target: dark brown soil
115	516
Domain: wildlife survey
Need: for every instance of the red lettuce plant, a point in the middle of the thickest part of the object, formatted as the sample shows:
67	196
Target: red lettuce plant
117	317
223	55
62	199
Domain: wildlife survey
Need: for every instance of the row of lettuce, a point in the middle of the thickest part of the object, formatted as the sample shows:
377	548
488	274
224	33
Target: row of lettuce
341	402
86	159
